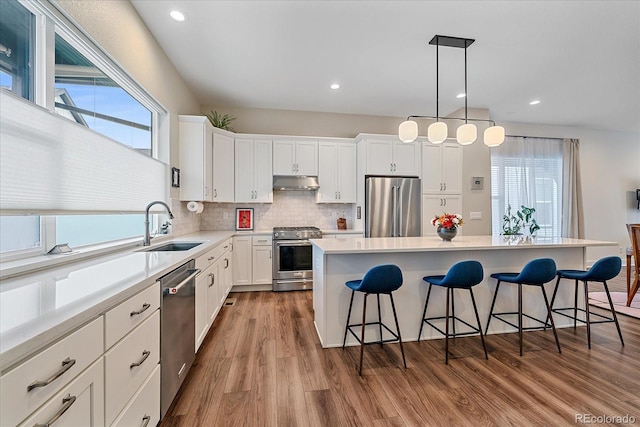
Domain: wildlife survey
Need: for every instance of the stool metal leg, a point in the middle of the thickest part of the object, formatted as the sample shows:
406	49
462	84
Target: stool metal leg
553	325
364	319
395	316
475	309
346	329
379	319
575	306
553	298
493	303
520	315
446	329
424	312
453	310
613	311
586	310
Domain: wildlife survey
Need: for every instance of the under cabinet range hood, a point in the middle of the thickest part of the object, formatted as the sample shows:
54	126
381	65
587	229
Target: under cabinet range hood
309	183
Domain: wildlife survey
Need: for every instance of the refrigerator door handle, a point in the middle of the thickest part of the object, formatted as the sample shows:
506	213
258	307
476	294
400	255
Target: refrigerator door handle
401	212
394	210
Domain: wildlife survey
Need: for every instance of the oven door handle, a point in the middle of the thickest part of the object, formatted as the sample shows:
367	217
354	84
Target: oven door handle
291	243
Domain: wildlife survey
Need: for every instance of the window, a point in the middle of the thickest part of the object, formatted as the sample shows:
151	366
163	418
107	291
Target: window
84	94
16	52
79	182
528	171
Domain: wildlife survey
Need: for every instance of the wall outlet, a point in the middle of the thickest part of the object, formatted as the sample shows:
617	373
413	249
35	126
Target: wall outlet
225	215
261	215
475	215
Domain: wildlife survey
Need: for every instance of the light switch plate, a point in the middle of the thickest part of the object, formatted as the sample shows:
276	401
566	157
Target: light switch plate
475	215
477	182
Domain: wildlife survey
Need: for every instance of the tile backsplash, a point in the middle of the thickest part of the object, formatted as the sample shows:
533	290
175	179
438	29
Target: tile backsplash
289	208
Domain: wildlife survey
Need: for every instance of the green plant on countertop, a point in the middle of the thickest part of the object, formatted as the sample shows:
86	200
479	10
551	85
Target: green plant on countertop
221	121
512	224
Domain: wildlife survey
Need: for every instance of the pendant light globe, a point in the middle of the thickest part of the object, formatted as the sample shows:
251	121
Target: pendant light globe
494	136
467	134
408	131
437	132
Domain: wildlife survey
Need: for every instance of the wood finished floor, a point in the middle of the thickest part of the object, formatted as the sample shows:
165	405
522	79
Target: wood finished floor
262	365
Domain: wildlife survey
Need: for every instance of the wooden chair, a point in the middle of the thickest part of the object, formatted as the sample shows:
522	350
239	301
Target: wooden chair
629	257
634	230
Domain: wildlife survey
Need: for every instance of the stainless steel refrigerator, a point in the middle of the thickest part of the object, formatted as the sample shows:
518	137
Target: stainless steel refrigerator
392	206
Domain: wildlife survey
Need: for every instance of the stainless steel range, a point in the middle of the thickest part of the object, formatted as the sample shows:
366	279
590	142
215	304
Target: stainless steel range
292	265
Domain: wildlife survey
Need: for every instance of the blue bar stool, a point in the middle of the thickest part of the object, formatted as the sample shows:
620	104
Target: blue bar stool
381	279
462	275
536	272
602	270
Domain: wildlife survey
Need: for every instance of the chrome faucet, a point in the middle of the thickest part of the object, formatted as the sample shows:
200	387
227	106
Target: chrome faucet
147	236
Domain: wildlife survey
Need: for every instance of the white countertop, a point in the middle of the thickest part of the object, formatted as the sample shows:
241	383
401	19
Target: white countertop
434	243
37	309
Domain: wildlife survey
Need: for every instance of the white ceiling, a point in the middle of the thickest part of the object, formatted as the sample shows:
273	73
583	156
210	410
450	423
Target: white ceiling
580	58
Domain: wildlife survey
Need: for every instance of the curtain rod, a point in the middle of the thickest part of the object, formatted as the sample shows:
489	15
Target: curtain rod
542	137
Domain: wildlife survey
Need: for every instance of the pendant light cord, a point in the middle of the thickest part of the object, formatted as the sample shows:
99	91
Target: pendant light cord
466	92
437	83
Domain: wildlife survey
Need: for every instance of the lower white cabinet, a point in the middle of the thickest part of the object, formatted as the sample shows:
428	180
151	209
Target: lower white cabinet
433	205
262	263
252	260
26	387
80	403
144	407
129	363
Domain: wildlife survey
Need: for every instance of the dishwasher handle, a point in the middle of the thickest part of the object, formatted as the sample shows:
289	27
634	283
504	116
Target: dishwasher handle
175	289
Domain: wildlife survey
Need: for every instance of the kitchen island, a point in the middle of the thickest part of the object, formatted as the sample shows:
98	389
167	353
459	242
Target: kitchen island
336	261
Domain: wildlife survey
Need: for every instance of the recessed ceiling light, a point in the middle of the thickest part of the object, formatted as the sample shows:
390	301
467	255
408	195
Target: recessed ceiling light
177	15
461	95
535	102
335	86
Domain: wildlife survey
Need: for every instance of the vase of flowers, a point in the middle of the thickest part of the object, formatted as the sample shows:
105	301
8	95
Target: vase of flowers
447	225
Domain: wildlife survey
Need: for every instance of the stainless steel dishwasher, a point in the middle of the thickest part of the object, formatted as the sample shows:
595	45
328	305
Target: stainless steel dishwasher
177	330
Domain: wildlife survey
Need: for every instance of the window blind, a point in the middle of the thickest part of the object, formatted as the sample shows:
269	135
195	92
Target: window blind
50	165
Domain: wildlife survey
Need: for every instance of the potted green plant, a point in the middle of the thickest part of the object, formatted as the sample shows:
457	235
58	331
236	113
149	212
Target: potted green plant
512	224
221	121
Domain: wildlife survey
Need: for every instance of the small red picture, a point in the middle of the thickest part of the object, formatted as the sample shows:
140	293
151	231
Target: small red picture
244	219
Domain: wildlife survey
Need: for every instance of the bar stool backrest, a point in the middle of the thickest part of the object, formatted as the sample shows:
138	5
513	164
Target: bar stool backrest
537	271
381	279
463	274
604	269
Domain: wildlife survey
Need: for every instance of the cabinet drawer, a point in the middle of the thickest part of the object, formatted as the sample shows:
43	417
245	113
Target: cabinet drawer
205	261
81	403
20	393
262	240
129	363
123	318
144	406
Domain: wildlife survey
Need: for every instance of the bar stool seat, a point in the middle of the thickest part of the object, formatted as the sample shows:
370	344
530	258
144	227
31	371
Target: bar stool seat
536	272
381	279
602	270
462	275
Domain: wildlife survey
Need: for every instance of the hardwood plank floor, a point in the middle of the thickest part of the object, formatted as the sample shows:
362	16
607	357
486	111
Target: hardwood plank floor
262	365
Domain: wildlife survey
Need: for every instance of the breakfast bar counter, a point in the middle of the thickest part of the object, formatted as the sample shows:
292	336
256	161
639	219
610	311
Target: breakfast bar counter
336	261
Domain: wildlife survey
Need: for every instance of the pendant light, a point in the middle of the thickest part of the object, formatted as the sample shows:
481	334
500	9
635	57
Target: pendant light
437	132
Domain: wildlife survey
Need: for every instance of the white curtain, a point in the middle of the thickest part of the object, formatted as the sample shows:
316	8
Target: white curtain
528	171
572	216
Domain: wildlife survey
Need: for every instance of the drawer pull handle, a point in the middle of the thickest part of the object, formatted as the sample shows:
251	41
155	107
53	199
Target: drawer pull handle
211	258
66	365
145	420
67	402
145	354
144	308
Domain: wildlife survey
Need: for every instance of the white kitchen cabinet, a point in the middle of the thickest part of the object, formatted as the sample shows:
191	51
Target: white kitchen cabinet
196	158
223	174
336	172
26	387
262	265
144	407
242	256
295	158
441	168
253	171
226	274
433	205
387	155
80	403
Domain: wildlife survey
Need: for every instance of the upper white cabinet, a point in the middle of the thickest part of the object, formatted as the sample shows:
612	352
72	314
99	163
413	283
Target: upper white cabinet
206	161
223	168
442	168
196	158
253	171
387	155
295	158
336	172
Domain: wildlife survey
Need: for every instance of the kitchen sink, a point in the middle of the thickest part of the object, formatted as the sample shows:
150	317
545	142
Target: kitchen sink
174	247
